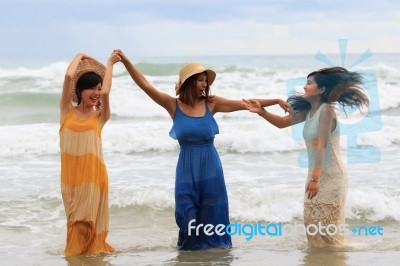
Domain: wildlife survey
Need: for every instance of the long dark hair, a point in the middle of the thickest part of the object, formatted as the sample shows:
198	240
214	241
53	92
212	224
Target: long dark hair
187	90
85	82
341	86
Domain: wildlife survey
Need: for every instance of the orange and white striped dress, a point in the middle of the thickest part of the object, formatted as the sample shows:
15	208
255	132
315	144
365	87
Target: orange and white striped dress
84	185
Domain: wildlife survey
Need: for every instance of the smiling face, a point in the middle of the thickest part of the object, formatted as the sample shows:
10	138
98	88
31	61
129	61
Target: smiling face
311	90
91	96
88	88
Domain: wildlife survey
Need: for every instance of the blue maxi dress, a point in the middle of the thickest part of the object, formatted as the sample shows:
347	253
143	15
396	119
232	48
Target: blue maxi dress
200	191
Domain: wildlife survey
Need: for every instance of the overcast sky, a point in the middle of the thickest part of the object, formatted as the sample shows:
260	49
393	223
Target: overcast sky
57	29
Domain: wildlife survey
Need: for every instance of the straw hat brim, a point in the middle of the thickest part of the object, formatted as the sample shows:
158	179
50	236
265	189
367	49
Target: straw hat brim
192	69
86	66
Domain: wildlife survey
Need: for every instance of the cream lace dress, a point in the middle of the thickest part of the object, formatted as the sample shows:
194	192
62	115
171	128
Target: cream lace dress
327	207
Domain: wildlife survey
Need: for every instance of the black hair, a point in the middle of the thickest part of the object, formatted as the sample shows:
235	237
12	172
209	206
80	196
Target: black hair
341	86
87	81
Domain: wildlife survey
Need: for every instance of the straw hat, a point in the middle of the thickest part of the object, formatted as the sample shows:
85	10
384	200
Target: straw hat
191	69
85	66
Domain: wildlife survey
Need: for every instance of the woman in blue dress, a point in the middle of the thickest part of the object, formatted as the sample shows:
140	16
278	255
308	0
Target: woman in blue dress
201	200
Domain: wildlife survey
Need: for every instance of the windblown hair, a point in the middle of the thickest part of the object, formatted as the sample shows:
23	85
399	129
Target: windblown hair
88	81
188	91
341	86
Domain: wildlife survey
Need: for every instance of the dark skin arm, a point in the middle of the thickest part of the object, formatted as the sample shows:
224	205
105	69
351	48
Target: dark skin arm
255	106
225	105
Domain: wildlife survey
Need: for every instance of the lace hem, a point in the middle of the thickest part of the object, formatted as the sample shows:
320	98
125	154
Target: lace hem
329	218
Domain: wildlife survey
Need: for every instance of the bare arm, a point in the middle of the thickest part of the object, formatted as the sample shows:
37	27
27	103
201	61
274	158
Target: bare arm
105	112
65	101
226	105
276	120
161	98
268	102
327	122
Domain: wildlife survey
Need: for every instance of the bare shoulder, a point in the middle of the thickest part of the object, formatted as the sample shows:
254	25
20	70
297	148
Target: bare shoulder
217	99
213	98
211	102
328	111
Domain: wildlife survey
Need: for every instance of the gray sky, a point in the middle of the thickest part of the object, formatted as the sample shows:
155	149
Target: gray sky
52	29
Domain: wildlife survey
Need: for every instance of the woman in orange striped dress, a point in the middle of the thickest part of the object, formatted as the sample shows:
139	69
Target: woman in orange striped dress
84	179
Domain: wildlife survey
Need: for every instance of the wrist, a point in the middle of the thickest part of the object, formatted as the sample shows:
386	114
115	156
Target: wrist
261	112
314	179
125	61
110	62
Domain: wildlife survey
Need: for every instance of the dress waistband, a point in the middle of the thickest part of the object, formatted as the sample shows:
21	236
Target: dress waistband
186	143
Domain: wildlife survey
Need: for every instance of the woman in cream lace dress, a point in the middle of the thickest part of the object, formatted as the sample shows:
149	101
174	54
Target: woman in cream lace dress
326	184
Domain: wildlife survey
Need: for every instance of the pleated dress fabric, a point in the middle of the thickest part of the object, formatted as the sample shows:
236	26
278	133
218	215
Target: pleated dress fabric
84	185
200	191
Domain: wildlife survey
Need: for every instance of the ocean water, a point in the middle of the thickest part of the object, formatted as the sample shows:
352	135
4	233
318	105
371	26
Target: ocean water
262	165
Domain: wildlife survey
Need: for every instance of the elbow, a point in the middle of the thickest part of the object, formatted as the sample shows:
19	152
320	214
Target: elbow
322	147
277	124
281	125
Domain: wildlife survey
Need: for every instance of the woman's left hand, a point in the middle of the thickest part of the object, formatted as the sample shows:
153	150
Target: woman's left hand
284	105
312	189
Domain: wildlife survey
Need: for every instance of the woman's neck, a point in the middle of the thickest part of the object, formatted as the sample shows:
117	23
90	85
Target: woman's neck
83	108
315	104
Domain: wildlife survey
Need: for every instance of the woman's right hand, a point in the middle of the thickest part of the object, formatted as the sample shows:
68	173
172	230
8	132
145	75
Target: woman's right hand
123	57
253	106
312	189
114	58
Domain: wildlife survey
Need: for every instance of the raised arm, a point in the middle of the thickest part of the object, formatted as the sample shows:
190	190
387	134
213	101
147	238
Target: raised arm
65	101
254	106
105	112
161	98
